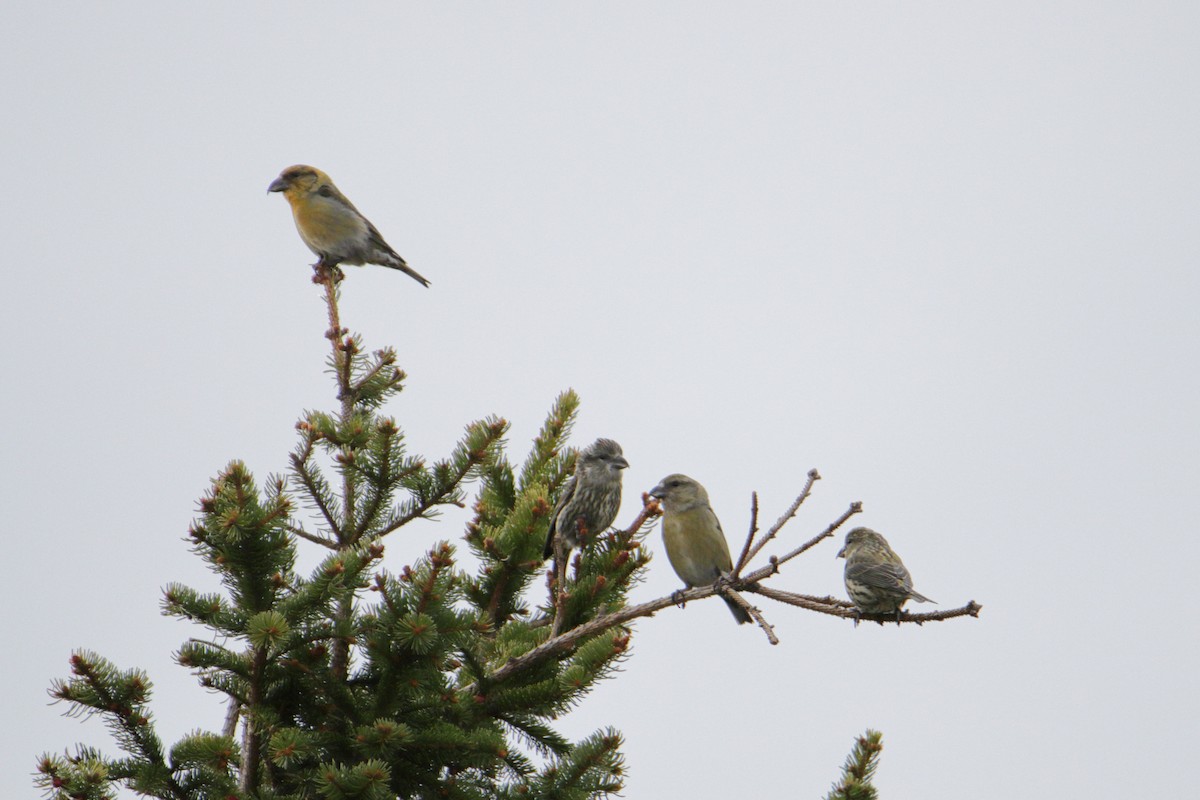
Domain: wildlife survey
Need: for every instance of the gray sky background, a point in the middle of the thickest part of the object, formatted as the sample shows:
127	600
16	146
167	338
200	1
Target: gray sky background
943	252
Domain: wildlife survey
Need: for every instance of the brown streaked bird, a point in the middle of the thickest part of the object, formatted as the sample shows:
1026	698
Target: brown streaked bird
692	534
331	226
876	579
592	496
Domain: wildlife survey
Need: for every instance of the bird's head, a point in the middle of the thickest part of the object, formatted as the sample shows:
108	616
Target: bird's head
603	455
862	539
299	181
679	493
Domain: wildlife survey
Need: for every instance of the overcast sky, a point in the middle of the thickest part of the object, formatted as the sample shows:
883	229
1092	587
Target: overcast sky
945	253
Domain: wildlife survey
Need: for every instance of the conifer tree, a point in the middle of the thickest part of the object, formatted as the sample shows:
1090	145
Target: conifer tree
444	680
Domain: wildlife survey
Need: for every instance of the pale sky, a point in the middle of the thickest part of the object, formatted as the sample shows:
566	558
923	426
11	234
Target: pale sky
945	253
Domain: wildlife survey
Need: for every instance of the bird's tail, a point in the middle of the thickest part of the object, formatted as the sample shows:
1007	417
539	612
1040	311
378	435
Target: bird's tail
920	598
400	264
739	613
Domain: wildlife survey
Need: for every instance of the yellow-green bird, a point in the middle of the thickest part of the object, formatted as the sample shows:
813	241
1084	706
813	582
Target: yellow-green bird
692	534
331	226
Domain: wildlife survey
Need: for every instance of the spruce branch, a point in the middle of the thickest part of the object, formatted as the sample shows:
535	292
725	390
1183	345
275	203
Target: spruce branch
477	448
316	488
120	698
563	641
859	769
298	531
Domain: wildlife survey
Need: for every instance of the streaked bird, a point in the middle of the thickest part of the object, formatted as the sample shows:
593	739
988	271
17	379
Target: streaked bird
331	226
876	579
692	534
591	497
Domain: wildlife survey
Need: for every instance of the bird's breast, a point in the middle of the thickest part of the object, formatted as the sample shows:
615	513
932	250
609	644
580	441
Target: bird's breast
329	228
695	546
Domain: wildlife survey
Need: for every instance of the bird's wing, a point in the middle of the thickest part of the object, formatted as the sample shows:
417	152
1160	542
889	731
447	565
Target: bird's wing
376	239
882	576
726	564
331	192
567	493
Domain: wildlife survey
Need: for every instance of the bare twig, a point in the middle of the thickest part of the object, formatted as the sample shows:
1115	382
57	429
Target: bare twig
753	611
563	643
813	477
773	567
745	554
840	608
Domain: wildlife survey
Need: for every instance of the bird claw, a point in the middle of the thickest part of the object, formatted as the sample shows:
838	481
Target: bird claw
327	273
677	598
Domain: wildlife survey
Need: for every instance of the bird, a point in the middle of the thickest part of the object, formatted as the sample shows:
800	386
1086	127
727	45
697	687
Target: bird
876	579
591	497
692	534
332	227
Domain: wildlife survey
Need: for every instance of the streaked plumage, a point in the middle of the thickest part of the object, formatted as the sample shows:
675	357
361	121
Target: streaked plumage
876	579
592	495
692	534
330	224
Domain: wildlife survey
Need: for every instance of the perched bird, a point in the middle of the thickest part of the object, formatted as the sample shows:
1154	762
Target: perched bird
876	579
592	496
330	224
695	543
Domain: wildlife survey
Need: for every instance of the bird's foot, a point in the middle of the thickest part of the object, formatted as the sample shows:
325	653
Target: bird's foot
327	273
677	598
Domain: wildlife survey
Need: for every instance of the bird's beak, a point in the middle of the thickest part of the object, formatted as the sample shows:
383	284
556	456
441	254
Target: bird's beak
621	463
658	491
277	185
841	553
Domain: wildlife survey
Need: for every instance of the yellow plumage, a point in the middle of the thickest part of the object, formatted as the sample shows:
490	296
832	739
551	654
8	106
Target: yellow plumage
696	547
331	226
692	534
